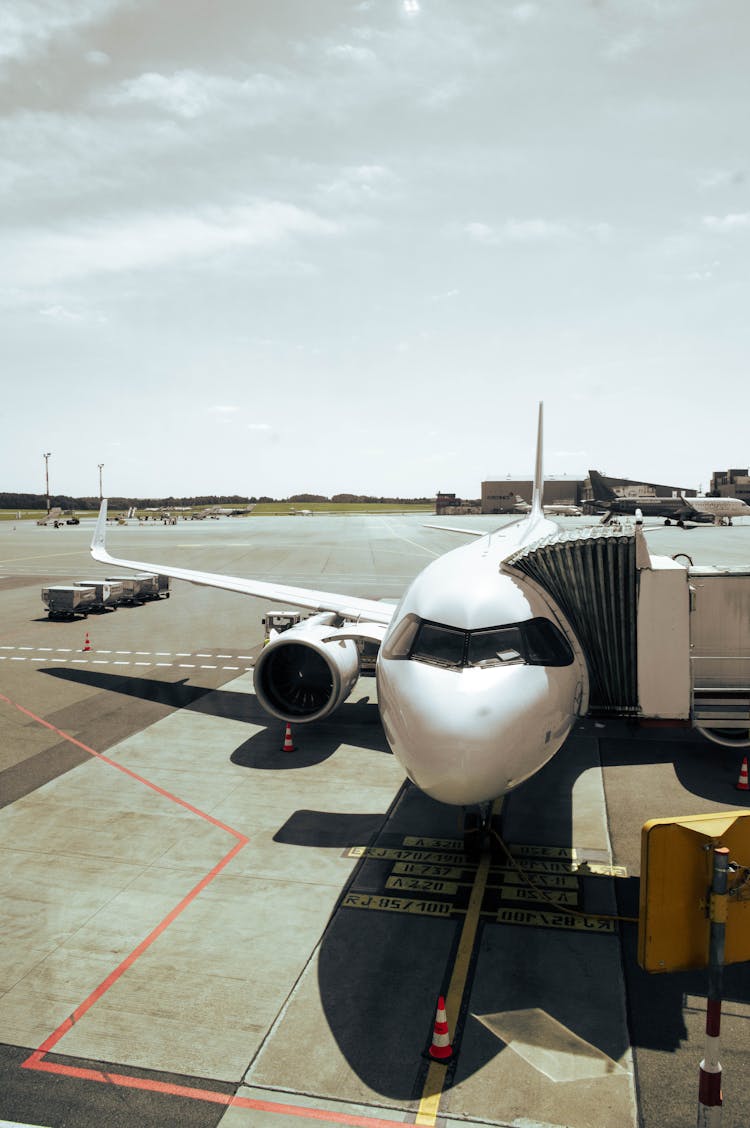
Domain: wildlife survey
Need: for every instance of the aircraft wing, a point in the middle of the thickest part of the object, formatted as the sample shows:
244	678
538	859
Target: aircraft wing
453	529
348	606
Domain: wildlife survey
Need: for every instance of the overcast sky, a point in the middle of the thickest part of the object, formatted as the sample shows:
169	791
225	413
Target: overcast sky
274	246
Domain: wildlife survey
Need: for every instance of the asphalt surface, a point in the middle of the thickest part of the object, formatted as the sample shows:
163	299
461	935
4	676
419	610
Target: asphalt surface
344	1006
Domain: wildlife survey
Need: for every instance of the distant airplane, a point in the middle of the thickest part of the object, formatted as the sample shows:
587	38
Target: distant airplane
559	509
552	510
480	676
300	512
699	510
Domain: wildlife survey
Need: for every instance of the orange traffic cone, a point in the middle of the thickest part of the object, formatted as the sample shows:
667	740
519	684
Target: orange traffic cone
287	745
87	644
441	1049
742	783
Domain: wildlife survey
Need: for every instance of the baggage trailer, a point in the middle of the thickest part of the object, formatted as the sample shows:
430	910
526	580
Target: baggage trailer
65	601
149	585
131	589
107	593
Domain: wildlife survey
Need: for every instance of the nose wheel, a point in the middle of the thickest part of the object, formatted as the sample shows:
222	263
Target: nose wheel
481	829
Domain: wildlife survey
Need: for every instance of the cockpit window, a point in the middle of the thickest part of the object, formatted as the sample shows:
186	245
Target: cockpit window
545	645
494	647
442	645
537	642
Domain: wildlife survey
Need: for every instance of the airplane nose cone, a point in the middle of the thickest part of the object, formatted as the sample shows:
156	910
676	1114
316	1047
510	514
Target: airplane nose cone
469	736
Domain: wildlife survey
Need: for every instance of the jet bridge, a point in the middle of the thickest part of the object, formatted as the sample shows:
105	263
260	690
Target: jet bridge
661	640
591	575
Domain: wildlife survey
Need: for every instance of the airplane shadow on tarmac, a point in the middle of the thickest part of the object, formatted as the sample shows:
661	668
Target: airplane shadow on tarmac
357	722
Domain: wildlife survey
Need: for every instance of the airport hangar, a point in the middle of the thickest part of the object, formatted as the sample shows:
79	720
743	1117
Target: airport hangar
500	495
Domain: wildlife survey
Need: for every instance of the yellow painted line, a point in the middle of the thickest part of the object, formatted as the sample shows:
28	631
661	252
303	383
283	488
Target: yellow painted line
424	869
434	843
416	907
525	893
538	919
435	1080
422	885
393	854
536	881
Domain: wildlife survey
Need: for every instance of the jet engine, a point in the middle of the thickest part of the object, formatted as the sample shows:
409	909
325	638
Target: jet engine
300	677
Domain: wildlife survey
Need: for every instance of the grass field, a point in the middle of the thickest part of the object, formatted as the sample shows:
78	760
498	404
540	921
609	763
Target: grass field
283	508
262	509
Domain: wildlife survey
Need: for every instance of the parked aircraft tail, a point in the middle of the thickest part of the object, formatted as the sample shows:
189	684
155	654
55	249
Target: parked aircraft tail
536	497
602	492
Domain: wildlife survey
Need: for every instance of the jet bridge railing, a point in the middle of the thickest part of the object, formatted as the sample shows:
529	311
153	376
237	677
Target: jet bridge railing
720	693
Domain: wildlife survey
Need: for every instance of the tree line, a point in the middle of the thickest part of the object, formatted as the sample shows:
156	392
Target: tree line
10	500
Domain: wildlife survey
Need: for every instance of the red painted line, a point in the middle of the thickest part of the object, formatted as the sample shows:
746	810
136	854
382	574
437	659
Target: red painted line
36	1060
214	1097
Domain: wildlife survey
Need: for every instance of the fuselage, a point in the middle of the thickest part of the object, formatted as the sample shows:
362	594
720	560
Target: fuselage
479	675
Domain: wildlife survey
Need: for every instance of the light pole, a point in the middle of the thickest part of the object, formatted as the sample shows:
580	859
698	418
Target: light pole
46	458
101	495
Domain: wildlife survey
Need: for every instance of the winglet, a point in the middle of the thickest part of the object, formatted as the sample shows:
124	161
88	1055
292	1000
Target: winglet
98	541
536	497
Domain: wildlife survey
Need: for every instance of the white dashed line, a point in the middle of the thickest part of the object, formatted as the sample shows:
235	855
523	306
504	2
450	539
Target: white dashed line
185	666
146	652
141	663
223	655
163	663
26	648
100	662
209	667
230	667
123	652
121	663
16	659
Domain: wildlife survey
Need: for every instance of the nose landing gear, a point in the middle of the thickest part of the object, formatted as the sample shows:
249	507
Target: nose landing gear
481	831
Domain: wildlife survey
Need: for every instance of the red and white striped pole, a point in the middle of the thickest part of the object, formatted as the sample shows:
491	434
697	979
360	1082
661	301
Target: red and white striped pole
709	1086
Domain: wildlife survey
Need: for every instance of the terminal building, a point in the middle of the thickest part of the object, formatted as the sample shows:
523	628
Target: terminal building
501	496
731	483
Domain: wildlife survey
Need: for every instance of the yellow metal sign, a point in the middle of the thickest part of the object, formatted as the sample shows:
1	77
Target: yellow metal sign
676	874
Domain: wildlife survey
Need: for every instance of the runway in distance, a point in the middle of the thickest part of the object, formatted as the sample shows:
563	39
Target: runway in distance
700	510
479	674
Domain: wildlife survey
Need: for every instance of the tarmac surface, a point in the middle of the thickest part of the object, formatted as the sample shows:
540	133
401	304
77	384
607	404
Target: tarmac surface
202	929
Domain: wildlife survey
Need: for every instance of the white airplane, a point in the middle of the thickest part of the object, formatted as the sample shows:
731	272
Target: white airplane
559	509
480	676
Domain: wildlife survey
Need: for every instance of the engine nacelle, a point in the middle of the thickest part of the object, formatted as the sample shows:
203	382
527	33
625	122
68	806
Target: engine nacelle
299	677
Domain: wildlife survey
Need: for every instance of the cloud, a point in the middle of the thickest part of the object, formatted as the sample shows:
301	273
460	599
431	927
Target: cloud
737	221
259	427
27	29
224	408
519	231
624	46
143	242
189	94
351	54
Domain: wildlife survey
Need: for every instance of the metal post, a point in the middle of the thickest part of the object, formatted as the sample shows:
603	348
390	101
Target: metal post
46	475
100	465
709	1087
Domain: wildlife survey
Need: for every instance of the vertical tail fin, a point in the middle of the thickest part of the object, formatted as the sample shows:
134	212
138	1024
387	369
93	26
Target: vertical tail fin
536	497
600	489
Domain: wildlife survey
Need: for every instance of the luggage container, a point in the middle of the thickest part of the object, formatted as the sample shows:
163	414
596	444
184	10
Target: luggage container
149	585
107	593
65	601
163	582
131	589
